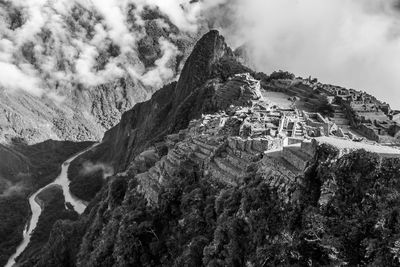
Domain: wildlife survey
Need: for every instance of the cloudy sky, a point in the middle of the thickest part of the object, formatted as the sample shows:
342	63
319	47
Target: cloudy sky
353	43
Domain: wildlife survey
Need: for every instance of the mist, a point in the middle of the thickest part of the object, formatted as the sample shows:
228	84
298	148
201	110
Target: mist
48	44
348	43
89	168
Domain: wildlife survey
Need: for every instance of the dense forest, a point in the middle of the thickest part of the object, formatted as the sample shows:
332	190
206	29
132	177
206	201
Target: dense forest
39	166
347	212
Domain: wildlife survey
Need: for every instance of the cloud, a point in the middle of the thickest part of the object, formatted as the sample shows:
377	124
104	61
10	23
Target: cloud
163	70
349	43
56	97
62	43
36	18
181	13
89	167
115	18
12	190
12	77
85	64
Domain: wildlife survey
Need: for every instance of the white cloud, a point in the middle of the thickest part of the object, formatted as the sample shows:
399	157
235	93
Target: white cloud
89	168
6	50
183	15
85	64
99	36
12	78
56	97
36	17
63	58
349	43
162	72
115	18
12	190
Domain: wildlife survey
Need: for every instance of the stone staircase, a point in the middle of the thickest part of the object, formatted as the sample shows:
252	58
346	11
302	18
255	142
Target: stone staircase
339	117
298	130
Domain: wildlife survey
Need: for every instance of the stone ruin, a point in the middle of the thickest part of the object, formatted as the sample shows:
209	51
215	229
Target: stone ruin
226	144
250	134
240	90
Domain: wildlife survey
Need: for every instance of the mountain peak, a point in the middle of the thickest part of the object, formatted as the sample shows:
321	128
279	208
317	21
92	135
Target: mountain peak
198	67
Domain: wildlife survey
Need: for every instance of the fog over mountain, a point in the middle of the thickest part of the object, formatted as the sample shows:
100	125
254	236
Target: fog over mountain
69	69
350	43
56	44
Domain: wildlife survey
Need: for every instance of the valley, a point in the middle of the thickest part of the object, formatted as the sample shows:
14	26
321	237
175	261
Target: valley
36	206
24	169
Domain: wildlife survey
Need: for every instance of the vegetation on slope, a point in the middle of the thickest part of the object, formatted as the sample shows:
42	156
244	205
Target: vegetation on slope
200	223
86	175
53	208
43	163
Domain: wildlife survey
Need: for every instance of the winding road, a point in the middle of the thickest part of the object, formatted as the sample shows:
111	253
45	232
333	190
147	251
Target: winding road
61	180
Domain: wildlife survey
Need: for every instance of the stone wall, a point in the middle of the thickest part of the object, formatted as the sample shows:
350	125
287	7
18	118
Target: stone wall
368	132
295	157
316	120
309	147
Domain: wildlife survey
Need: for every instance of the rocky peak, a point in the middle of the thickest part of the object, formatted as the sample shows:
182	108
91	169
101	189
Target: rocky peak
198	67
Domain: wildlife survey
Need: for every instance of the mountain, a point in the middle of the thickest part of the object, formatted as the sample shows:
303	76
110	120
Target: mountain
78	76
229	167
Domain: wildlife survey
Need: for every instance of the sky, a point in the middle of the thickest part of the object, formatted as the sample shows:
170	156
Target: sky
351	43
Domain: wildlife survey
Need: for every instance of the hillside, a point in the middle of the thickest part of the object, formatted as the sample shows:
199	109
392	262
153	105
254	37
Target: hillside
212	171
23	170
81	71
